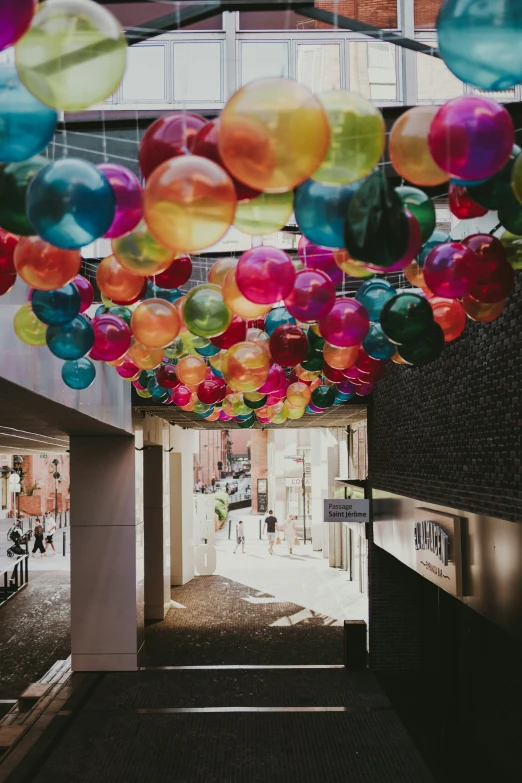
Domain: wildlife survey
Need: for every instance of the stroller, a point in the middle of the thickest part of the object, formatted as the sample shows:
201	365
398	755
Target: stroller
18	538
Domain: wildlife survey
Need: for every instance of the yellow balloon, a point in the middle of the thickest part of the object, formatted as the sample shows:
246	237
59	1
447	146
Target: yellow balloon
141	253
220	269
298	394
253	396
295	413
216	361
239	304
143	393
265	214
246	366
281	417
306	375
28	327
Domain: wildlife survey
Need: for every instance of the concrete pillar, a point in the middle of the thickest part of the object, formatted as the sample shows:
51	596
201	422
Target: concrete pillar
181	469
106	552
156	501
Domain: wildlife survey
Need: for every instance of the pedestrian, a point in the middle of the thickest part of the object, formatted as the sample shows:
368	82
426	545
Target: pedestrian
240	536
50	527
290	532
38	540
270	527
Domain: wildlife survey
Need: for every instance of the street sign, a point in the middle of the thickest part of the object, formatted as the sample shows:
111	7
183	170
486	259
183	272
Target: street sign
297	481
341	510
262	495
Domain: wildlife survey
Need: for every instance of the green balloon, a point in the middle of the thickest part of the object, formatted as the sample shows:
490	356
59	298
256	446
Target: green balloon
424	349
315	341
253	404
15	179
201	407
513	247
421	207
323	396
205	312
406	317
239	408
510	212
175	349
314	361
145	376
122	312
492	192
246	424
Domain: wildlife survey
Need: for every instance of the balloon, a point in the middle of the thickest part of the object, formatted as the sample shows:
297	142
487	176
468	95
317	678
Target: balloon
234	333
421	207
189	203
451	270
78	373
223	416
351	267
57	307
127	192
332	374
414	275
112	338
7	282
247	424
288	345
373	295
208	350
322	258
154	292
168	137
320	211
258	336
8	244
495	190
212	390
471	137
72	340
340	358
117	282
220	269
516	177
265	275
26	125
205	312
246	366
462	205
239	304
176	274
512	246
143	393
155	323
346	324
295	413
273	134
413	247
323	396
15	179
44	266
191	370
479	44
139	252
70	203
73	55
298	394
181	395
437	238
510	212
425	348
16	18
28	327
406	317
200	408
128	370
450	316
377	345
143	357
312	297
276	378
264	214
255	404
484	312
86	292
409	150
357	138
279	316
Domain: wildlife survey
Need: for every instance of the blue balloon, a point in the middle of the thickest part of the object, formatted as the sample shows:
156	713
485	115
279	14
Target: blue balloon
373	295
100	310
78	373
57	307
320	211
217	373
480	42
206	414
157	392
208	350
72	340
70	203
377	345
26	125
279	316
437	238
309	410
464	183
155	292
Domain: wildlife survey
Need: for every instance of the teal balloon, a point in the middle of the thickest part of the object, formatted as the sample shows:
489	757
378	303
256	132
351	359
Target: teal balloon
279	316
158	393
423	349
78	373
100	310
323	396
406	317
121	312
421	207
155	292
208	350
437	238
320	211
373	295
493	192
57	307
377	345
72	340
145	376
70	203
479	41
26	125
15	179
206	413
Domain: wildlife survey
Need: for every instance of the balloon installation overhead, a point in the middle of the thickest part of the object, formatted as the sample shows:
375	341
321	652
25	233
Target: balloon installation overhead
270	336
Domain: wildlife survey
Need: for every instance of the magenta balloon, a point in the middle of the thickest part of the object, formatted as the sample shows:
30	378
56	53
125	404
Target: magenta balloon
346	324
181	395
86	292
346	387
364	389
15	18
137	385
312	297
276	378
471	137
112	338
451	270
318	257
224	416
412	251
265	275
128	196
127	370
314	408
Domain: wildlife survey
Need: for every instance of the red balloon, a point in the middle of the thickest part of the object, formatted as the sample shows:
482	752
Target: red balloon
450	316
451	270
212	390
181	395
312	297
235	333
256	323
206	144
7	282
336	376
86	292
128	370
166	376
288	345
176	274
496	277
167	138
462	205
8	243
112	338
367	365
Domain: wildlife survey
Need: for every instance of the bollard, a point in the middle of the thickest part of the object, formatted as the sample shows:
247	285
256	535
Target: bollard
354	652
229	528
260	523
64	535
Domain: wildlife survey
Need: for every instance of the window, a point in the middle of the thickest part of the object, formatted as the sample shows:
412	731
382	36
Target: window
197	71
382	13
263	60
138	14
319	66
435	82
426	13
373	71
144	78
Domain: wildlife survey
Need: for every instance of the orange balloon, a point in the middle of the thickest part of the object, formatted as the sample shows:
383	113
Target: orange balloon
189	203
119	362
340	358
190	404
315	383
139	252
414	274
155	323
143	357
450	316
116	282
220	270
484	312
246	366
298	394
398	359
409	151
213	416
191	370
43	266
306	375
273	134
236	302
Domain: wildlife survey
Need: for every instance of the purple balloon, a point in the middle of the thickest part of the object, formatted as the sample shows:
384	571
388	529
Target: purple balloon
321	258
364	389
128	195
312	297
276	378
224	416
345	387
346	324
15	18
314	408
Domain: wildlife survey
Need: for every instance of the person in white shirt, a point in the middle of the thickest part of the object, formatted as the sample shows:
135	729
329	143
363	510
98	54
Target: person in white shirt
50	527
240	536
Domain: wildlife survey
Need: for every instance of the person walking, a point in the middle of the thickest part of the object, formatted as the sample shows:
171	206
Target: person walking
270	527
240	536
38	540
290	532
50	527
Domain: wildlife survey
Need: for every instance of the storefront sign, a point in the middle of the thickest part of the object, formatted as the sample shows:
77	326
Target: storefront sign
262	496
437	541
298	481
337	510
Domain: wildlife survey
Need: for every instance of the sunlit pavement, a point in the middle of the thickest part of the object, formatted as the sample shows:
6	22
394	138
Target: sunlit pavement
303	578
52	562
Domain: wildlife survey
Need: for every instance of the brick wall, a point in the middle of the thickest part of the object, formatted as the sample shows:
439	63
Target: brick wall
259	456
426	12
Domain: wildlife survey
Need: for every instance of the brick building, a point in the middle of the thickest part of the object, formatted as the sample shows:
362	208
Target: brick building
212	453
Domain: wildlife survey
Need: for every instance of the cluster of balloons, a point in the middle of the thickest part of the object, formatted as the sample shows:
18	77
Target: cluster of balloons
268	337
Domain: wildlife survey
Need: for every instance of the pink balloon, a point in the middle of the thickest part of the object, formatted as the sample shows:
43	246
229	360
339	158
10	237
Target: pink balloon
312	297
318	257
128	370
16	18
224	416
265	275
112	338
451	270
128	196
276	378
346	324
180	395
86	292
412	251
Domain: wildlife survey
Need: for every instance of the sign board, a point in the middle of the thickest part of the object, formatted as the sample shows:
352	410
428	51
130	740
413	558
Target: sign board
262	495
437	541
346	510
298	481
14	482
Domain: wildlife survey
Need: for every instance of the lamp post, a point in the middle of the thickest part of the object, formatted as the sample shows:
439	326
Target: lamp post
296	458
17	462
56	476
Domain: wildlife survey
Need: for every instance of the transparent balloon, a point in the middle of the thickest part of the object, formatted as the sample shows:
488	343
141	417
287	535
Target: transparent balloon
78	373
28	327
205	312
155	323
246	366
142	254
27	126
44	266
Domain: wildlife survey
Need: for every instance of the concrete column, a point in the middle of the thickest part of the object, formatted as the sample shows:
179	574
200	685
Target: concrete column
106	552
156	500
181	469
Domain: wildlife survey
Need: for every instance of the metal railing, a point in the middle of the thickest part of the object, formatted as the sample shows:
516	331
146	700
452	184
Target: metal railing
16	580
62	519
